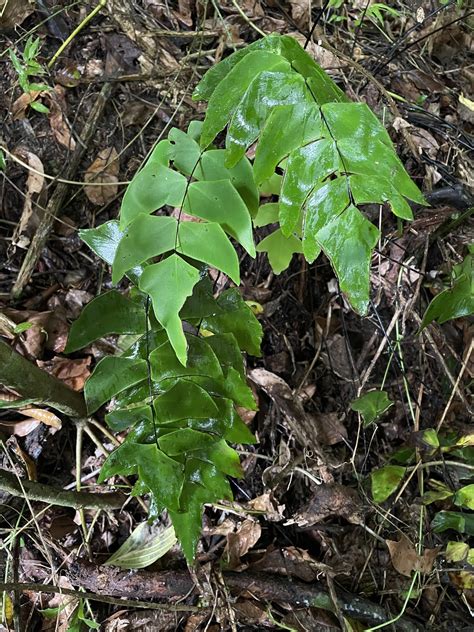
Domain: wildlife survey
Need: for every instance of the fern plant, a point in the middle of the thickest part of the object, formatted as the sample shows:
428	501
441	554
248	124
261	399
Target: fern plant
178	385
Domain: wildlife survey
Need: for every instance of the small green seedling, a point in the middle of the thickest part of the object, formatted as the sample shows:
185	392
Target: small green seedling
28	67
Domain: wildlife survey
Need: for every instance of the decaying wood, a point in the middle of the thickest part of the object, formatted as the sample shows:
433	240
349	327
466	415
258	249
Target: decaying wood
177	585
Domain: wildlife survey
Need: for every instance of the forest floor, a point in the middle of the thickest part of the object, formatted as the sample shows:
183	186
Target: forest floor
304	518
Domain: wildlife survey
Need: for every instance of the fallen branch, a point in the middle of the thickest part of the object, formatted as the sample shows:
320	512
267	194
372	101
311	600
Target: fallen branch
56	496
175	585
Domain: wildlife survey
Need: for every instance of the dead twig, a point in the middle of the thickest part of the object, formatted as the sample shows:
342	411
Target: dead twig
56	201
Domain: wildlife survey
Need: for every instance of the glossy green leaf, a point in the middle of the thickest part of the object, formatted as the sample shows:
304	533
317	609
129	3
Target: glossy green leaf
161	154
185	440
307	166
280	249
153	187
267	214
187	523
372	157
322	207
123	418
201	303
458	300
209	166
379	190
144	546
111	376
109	313
371	405
228	93
184	399
202	361
348	241
169	283
236	317
267	90
355	121
227	352
185	153
146	237
212	168
223	457
385	481
208	243
220	202
464	497
324	88
287	128
453	520
103	240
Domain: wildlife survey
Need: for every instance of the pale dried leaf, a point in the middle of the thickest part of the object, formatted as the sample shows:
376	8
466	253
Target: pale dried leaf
57	121
44	416
405	559
21	105
104	171
34	185
267	505
19	428
13	12
240	542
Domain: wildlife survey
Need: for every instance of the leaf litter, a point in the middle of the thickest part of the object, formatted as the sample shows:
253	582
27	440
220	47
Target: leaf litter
288	526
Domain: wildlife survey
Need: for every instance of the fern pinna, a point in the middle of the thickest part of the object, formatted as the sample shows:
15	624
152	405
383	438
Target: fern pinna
179	383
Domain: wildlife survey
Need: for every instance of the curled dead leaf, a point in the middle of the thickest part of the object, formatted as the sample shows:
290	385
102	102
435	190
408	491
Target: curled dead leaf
34	185
44	416
57	121
240	542
267	505
103	171
405	559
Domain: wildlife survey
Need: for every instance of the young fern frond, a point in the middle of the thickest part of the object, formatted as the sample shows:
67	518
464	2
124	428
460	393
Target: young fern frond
175	388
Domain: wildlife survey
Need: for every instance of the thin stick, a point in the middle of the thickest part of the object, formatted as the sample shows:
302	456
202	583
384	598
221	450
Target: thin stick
76	31
455	386
55	203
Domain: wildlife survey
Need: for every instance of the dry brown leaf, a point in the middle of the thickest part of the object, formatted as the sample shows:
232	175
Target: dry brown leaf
57	122
405	559
268	506
104	170
289	561
74	373
300	10
21	105
44	416
49	330
330	500
252	612
13	12
330	428
289	405
19	428
240	542
34	185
